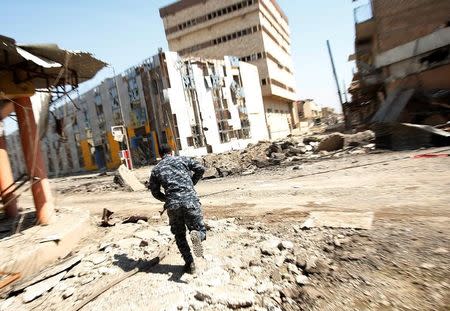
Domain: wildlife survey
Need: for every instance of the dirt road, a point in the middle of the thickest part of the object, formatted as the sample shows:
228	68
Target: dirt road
402	263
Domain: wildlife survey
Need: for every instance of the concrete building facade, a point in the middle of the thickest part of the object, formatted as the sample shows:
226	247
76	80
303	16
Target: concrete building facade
256	31
399	45
198	106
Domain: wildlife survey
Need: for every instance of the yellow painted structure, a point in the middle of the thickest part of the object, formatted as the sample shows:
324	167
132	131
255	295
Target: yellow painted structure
171	139
89	165
155	141
114	148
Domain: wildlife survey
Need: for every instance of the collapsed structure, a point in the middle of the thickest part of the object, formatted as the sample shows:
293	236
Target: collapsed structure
198	106
24	69
402	53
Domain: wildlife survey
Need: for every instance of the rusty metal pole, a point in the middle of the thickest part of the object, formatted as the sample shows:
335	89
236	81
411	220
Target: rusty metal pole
34	162
6	180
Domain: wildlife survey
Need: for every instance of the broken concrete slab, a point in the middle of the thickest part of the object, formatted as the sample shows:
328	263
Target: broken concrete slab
71	225
34	291
63	266
129	179
355	220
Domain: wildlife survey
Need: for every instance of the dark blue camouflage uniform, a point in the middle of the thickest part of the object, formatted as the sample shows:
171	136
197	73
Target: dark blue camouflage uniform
178	175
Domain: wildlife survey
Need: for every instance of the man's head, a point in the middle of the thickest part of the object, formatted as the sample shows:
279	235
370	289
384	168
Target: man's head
165	149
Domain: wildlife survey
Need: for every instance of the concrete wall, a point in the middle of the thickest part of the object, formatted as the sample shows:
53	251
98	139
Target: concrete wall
278	117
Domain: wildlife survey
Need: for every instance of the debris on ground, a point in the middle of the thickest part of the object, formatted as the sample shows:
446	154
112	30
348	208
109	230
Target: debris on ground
406	136
289	151
125	177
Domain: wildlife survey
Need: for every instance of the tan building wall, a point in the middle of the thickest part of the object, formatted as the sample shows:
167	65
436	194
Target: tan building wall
255	31
401	21
311	110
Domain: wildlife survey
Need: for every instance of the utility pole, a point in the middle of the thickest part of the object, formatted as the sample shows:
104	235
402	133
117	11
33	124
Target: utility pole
123	119
344	91
335	76
336	80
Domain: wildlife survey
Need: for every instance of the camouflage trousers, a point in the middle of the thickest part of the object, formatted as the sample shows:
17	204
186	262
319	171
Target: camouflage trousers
188	214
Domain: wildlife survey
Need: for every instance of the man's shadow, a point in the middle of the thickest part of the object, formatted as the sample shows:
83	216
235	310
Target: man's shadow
127	264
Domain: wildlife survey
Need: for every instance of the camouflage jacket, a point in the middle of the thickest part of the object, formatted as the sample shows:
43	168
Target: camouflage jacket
177	175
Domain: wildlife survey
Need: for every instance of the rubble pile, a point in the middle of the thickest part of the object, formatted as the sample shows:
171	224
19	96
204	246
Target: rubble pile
70	281
247	265
94	187
257	270
287	151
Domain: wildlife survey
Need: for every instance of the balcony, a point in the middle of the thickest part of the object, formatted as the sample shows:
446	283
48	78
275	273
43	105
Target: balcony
364	22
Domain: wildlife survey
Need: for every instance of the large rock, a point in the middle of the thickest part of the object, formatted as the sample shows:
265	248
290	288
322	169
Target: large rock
332	143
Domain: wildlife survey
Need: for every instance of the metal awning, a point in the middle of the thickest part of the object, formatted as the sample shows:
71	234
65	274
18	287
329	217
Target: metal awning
46	65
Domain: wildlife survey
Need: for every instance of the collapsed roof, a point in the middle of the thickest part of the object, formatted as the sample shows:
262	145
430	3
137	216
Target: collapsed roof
45	65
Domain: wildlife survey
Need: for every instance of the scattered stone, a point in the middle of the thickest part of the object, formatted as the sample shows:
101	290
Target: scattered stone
279	260
254	262
276	276
210	173
215	276
292	268
286	245
427	266
104	270
440	251
142	222
270	248
68	292
300	261
302	279
337	242
143	243
352	256
316	265
104	245
328	248
289	292
264	287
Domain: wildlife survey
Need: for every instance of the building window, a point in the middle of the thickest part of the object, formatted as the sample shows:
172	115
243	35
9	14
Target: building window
269	110
264	81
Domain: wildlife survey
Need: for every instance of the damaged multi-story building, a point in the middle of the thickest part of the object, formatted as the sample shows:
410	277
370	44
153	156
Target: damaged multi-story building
256	31
402	54
198	106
